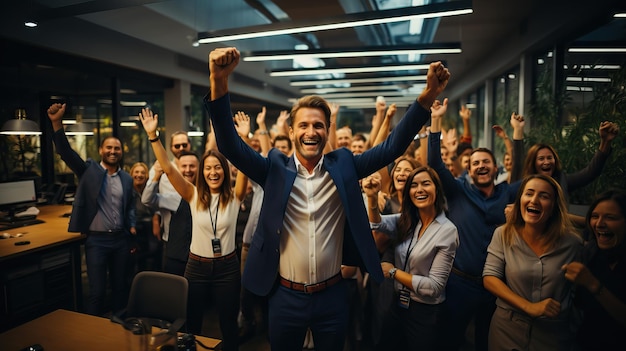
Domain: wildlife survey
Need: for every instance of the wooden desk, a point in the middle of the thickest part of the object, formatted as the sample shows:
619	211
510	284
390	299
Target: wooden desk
63	330
44	275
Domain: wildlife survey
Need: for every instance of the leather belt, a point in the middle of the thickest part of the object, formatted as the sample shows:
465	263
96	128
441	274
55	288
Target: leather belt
467	276
211	259
311	288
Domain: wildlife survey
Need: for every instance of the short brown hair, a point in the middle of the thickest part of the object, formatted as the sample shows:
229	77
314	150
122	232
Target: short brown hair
311	101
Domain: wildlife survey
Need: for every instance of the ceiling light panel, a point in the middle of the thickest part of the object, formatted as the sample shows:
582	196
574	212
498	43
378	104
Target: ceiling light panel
435	10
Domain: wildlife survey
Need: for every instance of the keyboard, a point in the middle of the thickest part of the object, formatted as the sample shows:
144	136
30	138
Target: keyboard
20	223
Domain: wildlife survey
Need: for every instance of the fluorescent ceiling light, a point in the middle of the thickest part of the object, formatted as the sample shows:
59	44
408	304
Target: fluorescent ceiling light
588	79
30	24
583	89
620	15
603	67
128	124
452	48
195	133
68	121
435	10
133	103
304	83
361	88
598	50
348	70
356	95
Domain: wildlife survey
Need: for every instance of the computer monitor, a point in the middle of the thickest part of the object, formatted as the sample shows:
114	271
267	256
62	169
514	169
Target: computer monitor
16	195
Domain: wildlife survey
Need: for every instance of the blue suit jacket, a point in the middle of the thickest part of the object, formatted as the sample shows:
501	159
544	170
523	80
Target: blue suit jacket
90	178
277	173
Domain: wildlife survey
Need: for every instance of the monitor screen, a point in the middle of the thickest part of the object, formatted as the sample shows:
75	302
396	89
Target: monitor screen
15	193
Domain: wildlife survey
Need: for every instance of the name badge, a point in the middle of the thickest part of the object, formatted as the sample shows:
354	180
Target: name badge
404	299
217	247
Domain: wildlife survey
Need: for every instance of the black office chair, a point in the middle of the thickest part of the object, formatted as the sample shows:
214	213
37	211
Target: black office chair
158	296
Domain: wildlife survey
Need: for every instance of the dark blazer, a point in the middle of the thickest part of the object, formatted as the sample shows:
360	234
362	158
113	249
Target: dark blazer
90	177
277	173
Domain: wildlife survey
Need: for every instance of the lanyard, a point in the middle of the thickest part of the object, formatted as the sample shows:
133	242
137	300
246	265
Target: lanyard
214	223
410	249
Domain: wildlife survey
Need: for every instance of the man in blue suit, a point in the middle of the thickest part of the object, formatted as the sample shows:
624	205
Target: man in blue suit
313	218
104	209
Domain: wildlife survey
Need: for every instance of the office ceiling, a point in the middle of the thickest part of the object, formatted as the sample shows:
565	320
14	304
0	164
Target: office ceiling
158	36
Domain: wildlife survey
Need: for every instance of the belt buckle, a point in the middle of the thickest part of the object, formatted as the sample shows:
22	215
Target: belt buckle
314	288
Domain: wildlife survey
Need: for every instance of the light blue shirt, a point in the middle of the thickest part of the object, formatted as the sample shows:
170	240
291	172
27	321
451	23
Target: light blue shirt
430	257
109	216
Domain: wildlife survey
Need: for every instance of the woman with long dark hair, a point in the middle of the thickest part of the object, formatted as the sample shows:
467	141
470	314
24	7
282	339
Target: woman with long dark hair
601	277
425	243
213	267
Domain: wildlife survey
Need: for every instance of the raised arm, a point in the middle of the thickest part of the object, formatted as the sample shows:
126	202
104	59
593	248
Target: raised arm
332	129
377	120
385	125
63	148
222	62
55	114
466	114
450	185
242	124
371	187
608	131
403	133
150	122
264	135
211	144
383	133
517	122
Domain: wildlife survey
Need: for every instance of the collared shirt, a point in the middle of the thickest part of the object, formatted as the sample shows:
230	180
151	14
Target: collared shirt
255	211
110	203
167	201
311	240
428	259
529	276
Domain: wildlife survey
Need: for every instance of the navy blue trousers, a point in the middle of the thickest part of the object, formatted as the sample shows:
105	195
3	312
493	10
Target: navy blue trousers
325	313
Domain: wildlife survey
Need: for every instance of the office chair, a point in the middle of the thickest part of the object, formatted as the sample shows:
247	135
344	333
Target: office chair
158	296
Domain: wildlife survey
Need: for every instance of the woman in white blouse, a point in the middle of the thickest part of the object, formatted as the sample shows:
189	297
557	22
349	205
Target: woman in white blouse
213	267
421	260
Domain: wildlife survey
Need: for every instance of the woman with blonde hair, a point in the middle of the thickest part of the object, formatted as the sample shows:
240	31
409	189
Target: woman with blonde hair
523	271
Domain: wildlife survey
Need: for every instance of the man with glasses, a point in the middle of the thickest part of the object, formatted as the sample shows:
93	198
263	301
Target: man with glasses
179	144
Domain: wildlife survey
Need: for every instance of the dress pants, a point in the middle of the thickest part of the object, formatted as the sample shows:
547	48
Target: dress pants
466	300
218	281
107	252
325	313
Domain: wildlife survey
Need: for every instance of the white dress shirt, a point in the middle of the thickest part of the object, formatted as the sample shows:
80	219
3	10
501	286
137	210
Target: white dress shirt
311	239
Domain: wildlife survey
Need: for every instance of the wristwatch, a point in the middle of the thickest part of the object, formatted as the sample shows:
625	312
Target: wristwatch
392	273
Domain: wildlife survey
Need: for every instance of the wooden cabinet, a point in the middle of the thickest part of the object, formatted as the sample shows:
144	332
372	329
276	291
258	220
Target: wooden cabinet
44	275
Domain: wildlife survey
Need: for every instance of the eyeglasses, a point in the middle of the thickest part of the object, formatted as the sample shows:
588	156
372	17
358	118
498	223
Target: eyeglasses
178	146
